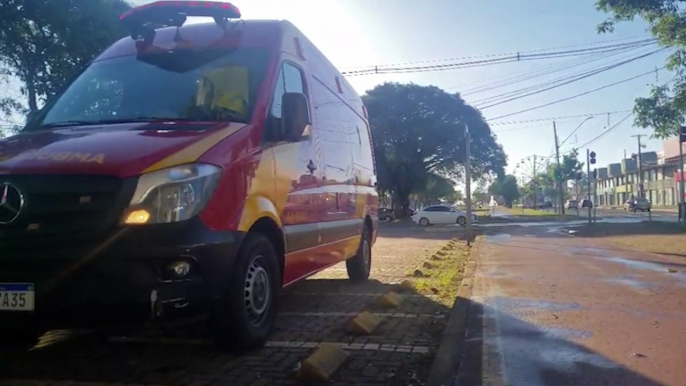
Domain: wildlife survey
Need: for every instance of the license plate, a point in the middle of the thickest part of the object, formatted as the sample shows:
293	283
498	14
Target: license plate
17	297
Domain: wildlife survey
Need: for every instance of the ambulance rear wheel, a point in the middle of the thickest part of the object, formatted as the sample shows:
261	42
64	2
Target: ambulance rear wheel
246	314
360	266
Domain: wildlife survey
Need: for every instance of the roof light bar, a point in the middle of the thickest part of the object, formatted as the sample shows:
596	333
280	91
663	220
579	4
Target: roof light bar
174	13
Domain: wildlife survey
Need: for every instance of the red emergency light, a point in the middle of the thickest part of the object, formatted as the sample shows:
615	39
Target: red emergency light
174	13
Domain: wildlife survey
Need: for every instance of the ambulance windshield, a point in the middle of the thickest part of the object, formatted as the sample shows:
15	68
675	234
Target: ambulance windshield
207	85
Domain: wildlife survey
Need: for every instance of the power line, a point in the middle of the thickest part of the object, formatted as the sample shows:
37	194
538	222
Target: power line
642	38
606	131
553	118
547	70
580	77
513	93
575	96
518	129
507	59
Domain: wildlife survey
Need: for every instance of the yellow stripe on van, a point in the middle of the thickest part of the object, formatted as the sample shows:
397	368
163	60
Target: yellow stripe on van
192	152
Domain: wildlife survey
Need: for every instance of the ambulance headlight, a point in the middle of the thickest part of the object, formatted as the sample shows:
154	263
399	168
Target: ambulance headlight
172	195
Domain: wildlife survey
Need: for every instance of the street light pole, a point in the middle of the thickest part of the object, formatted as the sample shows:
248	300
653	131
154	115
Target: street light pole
641	192
682	139
468	185
559	182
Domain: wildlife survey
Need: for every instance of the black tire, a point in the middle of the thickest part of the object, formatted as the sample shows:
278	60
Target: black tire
246	313
462	220
360	265
424	221
388	218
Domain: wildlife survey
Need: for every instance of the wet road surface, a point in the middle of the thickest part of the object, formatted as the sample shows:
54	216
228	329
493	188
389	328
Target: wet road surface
550	309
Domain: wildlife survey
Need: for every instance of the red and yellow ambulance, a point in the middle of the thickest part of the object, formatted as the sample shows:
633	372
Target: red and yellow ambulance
189	170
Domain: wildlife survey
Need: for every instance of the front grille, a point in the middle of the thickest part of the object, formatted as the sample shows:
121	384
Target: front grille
65	208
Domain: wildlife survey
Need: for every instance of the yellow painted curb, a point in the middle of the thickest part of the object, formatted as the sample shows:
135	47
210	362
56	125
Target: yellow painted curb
364	324
406	285
320	366
391	299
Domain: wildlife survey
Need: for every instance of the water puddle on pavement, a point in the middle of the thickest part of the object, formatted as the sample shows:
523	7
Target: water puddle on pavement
499	238
562	224
567	333
630	281
507	304
530	350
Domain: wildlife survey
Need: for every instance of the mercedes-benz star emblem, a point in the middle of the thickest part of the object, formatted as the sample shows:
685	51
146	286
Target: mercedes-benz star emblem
11	203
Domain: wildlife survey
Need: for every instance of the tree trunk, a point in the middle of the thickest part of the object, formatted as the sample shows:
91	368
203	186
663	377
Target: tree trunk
31	91
401	202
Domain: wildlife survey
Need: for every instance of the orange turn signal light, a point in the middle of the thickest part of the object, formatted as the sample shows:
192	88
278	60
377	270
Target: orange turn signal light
139	216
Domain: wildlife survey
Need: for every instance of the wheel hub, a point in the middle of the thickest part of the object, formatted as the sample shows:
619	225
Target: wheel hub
257	292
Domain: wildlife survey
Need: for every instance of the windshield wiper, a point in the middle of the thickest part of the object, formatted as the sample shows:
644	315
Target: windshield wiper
64	124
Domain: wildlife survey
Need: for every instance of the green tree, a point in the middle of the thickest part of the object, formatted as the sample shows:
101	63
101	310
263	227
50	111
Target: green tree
419	131
569	167
43	43
665	106
507	188
436	189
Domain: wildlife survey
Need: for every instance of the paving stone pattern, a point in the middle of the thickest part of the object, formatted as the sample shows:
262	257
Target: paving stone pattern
317	310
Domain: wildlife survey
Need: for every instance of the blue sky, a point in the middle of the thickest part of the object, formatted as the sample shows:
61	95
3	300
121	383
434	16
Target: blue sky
354	33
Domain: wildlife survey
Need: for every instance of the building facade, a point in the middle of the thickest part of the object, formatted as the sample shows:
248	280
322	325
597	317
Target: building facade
621	181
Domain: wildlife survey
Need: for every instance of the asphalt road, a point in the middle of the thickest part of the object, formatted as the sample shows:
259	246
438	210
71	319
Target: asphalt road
655	215
551	309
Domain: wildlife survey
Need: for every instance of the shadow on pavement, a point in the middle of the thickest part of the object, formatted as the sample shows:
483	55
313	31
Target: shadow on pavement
314	311
533	355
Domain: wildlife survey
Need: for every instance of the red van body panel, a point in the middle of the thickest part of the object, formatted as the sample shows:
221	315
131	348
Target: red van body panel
319	192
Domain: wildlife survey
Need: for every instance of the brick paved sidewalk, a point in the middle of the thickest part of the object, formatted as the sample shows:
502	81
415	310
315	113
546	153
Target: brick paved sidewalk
316	311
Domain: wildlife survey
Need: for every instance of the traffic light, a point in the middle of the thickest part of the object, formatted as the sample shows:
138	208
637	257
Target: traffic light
592	155
682	134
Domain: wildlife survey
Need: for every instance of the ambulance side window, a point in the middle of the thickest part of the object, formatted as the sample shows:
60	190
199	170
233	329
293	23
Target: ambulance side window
290	81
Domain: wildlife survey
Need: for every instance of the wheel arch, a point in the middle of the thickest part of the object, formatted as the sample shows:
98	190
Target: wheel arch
267	227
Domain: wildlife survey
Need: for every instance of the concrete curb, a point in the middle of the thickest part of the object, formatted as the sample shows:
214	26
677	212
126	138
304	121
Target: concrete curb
449	353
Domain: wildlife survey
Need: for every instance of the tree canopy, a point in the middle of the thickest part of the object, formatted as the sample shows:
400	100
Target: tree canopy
43	43
507	188
665	107
436	189
419	131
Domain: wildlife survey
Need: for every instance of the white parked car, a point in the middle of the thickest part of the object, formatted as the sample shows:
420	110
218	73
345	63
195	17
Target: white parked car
441	214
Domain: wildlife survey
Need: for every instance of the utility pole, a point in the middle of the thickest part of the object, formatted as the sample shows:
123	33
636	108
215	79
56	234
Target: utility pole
533	183
588	181
682	139
559	182
640	166
468	185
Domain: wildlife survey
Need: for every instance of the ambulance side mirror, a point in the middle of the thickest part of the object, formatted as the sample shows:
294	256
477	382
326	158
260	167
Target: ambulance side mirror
295	116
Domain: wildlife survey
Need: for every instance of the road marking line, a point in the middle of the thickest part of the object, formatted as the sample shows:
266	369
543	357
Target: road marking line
282	344
361	294
353	346
380	314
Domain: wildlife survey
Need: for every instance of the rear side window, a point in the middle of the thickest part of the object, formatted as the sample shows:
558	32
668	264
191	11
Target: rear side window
343	134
